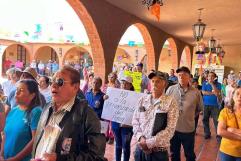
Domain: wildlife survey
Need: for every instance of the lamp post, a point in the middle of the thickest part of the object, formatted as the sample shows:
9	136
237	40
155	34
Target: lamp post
198	28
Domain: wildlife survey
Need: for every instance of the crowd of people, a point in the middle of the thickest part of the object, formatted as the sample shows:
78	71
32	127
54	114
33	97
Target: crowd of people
34	106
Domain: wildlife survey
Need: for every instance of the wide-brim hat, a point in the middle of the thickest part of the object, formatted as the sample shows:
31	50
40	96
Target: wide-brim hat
31	71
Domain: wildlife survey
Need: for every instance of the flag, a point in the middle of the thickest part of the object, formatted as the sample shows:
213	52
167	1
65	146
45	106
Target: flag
156	10
38	28
26	33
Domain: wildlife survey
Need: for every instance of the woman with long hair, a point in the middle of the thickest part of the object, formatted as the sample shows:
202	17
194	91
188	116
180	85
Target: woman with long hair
229	127
21	123
114	83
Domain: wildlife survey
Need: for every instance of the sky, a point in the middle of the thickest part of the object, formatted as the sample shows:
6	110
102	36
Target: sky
47	21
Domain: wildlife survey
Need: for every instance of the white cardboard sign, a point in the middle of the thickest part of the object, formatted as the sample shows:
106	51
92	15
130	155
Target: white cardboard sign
120	105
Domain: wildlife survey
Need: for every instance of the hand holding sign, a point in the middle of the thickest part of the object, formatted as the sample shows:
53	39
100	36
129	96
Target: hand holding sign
120	105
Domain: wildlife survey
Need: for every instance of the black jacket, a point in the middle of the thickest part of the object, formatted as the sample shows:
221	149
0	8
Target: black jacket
82	125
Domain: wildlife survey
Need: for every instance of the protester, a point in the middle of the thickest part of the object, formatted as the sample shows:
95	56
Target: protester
114	83
199	88
87	85
95	96
190	103
80	137
230	88
28	73
172	76
13	75
123	133
154	139
44	87
21	122
211	93
145	80
229	127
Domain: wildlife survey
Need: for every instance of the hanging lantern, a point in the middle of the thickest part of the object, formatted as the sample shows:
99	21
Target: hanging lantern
212	43
218	49
198	28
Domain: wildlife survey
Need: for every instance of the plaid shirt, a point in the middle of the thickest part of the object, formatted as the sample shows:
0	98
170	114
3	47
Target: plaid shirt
143	120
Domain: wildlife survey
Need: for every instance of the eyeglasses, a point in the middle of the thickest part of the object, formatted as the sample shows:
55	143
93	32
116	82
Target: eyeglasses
60	82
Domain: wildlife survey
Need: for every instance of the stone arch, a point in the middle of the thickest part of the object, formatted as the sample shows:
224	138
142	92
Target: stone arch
46	53
79	58
168	58
93	35
148	44
10	53
186	57
122	57
78	51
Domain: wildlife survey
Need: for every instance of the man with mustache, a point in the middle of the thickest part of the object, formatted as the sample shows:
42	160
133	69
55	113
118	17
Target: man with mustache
154	121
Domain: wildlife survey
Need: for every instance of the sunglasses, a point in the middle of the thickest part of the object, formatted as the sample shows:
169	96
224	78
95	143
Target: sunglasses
59	82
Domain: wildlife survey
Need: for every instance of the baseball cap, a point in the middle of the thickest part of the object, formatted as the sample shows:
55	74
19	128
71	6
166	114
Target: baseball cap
31	71
127	79
159	74
139	64
183	69
195	80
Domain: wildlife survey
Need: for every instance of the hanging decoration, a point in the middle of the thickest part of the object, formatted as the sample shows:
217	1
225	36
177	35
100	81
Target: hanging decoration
154	6
156	10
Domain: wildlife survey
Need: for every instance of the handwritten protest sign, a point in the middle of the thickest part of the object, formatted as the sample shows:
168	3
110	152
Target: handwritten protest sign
120	105
136	77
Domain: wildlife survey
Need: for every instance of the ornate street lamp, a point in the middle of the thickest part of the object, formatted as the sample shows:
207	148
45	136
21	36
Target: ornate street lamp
212	43
198	28
149	3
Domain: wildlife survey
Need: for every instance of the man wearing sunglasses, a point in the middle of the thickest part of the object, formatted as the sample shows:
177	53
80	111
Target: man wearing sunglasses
80	137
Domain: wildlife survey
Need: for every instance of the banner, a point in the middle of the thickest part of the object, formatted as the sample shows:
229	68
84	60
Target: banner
136	77
120	105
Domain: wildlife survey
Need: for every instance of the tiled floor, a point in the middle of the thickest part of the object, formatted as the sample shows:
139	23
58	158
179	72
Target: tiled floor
206	150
